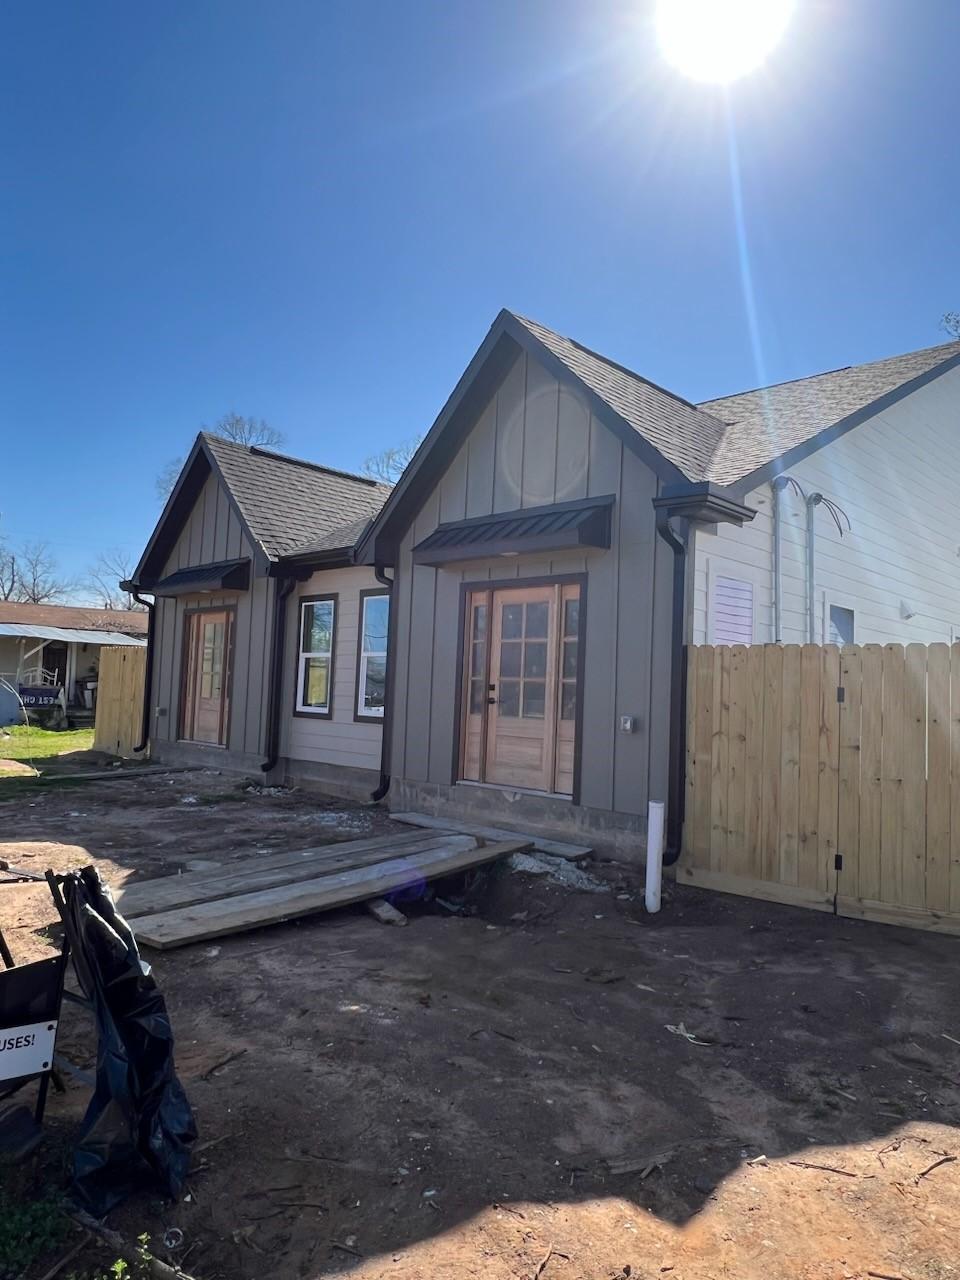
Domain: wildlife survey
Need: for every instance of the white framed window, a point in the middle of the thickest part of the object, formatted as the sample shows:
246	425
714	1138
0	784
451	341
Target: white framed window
730	609
840	625
372	655
318	620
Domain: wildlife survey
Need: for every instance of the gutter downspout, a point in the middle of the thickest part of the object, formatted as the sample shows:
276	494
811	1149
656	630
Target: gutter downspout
678	691
813	501
284	587
384	785
151	606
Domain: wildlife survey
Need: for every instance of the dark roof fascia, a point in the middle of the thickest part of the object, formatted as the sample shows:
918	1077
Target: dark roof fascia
303	565
179	503
424	468
594	531
662	467
784	461
176	509
262	559
706	503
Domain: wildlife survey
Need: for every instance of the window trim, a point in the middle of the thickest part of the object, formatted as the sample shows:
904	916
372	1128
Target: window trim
315	713
717	567
368	717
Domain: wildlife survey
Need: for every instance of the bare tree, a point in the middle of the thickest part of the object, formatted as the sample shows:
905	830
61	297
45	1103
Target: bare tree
102	582
37	576
232	426
951	323
389	465
8	573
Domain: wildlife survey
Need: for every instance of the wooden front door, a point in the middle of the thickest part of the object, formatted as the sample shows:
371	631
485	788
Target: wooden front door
521	667
206	682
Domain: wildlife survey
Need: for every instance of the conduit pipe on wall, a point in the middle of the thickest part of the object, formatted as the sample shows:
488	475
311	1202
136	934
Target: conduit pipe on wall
778	484
839	515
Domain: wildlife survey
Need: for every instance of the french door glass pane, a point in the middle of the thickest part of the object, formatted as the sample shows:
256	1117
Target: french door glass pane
477	698
534	699
568	700
511	626
538	619
510	659
571	617
535	659
509	699
570	660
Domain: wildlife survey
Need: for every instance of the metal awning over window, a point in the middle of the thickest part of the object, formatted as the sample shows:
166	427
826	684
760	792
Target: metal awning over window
563	526
205	579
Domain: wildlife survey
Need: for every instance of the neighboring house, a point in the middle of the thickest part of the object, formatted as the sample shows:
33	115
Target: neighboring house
49	648
268	650
565	528
567	525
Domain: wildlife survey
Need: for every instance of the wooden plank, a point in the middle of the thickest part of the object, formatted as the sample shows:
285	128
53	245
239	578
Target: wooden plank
289	902
829	797
737	756
703	756
765	890
914	776
753	783
871	759
557	848
809	800
938	778
788	857
891	778
719	758
905	917
955	777
848	819
770	762
249	875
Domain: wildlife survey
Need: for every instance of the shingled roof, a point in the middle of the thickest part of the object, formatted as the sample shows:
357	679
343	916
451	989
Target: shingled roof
684	434
291	506
725	440
766	423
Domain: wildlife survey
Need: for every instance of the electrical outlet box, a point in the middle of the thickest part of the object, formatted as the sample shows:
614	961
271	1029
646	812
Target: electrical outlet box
628	724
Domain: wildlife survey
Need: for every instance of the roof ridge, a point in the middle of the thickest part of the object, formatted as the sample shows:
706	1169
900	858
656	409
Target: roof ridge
826	373
255	450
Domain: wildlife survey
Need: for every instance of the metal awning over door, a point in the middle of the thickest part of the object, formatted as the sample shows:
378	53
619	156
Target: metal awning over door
562	526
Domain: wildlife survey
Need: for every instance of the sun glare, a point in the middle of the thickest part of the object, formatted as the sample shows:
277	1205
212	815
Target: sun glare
720	40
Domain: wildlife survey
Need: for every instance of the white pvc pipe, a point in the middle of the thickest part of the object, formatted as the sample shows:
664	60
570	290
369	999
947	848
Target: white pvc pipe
654	855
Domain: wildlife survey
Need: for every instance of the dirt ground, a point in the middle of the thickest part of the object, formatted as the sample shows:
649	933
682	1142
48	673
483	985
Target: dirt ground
555	1085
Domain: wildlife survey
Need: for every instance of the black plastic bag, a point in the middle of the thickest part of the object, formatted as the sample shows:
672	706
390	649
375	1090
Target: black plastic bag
139	1126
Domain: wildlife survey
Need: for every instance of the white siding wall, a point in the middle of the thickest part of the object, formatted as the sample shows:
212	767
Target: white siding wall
340	740
898	479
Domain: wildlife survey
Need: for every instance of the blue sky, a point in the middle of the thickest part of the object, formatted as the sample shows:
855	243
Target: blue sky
311	212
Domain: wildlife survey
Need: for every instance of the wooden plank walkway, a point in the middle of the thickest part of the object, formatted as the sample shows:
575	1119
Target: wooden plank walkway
248	875
558	848
218	917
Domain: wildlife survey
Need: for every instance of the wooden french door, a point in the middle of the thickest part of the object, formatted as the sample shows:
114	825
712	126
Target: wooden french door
205	703
521	677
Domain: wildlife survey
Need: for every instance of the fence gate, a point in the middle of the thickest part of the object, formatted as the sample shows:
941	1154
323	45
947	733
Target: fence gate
119	698
827	777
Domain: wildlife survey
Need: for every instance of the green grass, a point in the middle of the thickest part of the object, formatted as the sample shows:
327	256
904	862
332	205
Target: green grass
28	743
29	1229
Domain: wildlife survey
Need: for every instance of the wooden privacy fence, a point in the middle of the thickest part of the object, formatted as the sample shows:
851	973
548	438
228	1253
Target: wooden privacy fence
119	699
827	777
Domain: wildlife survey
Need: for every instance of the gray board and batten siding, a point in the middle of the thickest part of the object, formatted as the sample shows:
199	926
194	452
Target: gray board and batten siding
538	441
212	532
